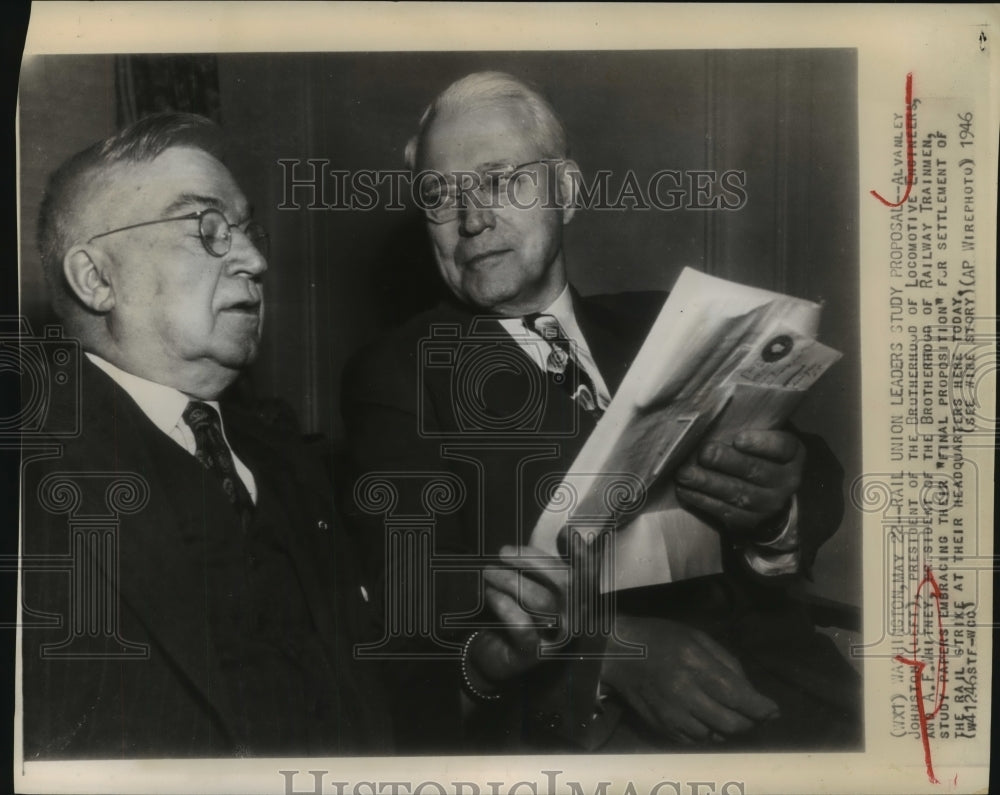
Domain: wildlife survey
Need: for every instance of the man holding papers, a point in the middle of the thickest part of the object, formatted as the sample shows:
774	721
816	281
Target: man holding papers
498	389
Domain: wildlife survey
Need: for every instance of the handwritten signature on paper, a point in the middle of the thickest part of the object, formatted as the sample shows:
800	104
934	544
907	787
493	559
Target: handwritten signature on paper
910	162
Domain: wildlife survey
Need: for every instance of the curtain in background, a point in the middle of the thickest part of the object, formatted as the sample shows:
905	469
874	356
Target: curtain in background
146	84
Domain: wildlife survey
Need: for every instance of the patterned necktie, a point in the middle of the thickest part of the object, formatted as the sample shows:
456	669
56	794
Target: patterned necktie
562	365
214	454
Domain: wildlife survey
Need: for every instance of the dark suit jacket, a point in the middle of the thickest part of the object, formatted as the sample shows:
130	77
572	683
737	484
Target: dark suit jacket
122	514
450	394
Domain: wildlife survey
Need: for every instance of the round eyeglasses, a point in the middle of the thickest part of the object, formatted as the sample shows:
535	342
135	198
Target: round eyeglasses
215	231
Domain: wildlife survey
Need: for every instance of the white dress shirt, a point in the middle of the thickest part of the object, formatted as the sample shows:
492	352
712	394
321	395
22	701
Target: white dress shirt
778	556
165	406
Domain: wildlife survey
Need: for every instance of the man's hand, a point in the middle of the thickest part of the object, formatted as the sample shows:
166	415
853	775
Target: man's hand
529	595
688	688
748	485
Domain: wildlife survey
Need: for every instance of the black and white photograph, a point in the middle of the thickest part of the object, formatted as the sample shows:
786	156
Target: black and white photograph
381	405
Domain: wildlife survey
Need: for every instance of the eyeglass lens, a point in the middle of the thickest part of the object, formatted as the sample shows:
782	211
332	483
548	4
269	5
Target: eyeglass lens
491	185
217	235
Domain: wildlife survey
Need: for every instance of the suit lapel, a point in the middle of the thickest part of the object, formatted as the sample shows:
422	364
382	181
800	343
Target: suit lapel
612	339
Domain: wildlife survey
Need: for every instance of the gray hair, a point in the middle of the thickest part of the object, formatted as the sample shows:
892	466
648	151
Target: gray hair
66	189
494	89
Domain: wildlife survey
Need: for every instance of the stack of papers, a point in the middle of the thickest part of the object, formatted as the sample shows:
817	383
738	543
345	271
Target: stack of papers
721	357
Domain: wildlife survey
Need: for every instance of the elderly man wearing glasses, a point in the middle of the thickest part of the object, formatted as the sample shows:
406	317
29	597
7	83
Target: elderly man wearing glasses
498	388
219	616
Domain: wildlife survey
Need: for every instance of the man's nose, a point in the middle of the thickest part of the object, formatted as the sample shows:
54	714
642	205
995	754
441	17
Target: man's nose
245	257
475	216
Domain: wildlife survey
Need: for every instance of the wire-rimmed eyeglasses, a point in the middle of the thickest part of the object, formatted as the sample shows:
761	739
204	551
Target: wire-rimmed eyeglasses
214	229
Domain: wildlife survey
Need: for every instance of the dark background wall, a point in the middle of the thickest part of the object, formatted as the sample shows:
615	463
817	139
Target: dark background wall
787	118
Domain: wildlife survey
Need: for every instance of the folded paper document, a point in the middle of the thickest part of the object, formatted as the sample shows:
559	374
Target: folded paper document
720	357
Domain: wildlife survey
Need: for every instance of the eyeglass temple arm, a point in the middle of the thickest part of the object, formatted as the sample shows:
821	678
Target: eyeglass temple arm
145	223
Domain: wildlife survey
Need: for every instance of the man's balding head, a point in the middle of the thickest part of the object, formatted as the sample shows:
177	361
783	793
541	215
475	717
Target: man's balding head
485	90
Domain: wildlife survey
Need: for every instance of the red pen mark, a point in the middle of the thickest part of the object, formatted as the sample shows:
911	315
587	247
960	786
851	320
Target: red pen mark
910	163
940	675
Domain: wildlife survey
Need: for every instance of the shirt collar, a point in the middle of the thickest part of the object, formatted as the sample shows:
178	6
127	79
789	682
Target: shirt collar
561	309
164	405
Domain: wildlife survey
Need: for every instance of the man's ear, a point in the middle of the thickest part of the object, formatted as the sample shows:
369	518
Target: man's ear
568	177
86	270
